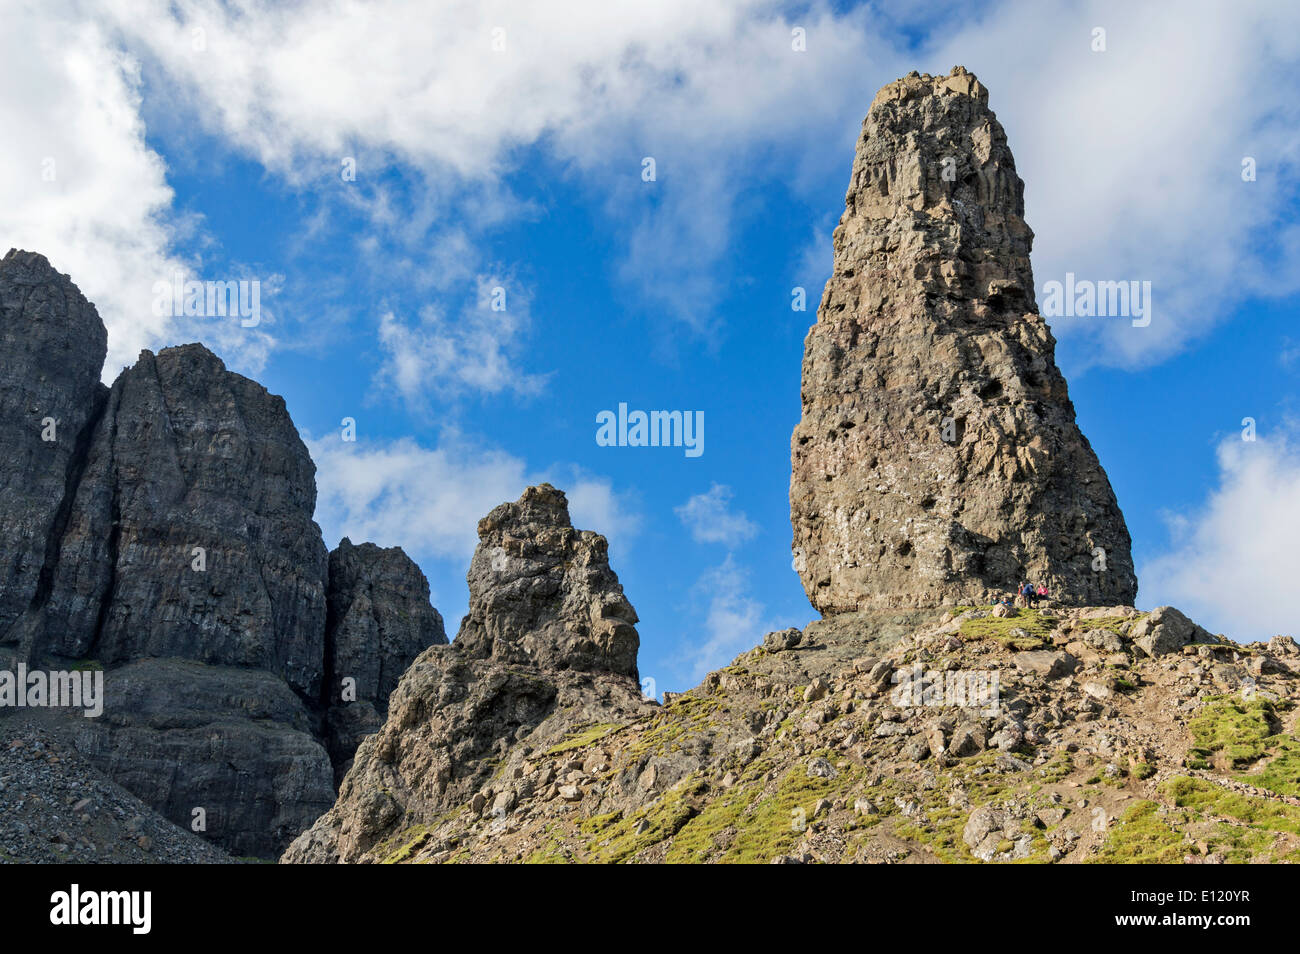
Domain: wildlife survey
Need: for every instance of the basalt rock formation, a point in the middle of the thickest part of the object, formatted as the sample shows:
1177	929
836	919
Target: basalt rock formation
53	345
190	533
543	593
938	460
162	530
380	619
547	648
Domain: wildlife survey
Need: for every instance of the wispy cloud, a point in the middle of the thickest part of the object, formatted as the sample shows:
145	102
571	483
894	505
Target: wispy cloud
710	518
732	619
428	500
475	352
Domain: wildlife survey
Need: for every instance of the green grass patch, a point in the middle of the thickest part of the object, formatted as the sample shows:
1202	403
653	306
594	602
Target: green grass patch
1036	628
1142	836
1206	797
585	736
1240	729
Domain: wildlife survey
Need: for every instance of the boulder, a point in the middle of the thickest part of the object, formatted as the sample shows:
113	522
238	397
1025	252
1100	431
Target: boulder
1165	630
1046	663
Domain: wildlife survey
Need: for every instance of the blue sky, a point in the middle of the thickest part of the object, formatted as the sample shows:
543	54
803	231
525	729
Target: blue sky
193	138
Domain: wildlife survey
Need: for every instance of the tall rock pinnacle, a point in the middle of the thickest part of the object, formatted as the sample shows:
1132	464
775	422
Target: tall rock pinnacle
938	460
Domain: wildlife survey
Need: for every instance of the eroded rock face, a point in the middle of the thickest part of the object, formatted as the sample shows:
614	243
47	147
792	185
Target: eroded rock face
543	593
52	347
548	647
234	743
166	534
938	460
191	533
380	620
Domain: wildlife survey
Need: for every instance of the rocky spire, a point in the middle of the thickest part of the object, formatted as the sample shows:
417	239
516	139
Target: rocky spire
938	459
542	592
547	649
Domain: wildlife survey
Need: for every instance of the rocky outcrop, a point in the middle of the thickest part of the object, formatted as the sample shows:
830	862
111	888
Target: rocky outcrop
164	532
927	736
379	620
232	748
53	346
547	648
528	555
190	533
938	460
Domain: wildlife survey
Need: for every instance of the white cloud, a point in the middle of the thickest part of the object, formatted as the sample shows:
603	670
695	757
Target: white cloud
710	519
733	622
708	89
71	111
595	505
1234	563
429	500
475	352
1132	156
80	184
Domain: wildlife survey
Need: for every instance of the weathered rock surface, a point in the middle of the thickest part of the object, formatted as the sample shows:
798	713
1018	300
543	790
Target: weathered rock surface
1167	630
938	460
52	347
528	557
817	751
190	533
379	621
380	618
547	648
166	534
233	743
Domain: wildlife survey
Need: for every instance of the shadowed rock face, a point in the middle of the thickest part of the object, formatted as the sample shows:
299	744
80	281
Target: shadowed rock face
191	462
166	533
548	646
53	346
379	621
380	618
938	460
234	742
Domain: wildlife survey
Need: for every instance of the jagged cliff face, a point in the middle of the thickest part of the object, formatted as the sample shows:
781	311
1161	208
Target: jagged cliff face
938	460
53	346
165	532
380	619
549	644
190	533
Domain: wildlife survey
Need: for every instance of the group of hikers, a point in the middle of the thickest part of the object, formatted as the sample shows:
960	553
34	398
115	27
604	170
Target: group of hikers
1027	595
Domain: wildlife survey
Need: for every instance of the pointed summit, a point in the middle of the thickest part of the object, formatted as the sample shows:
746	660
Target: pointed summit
938	460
